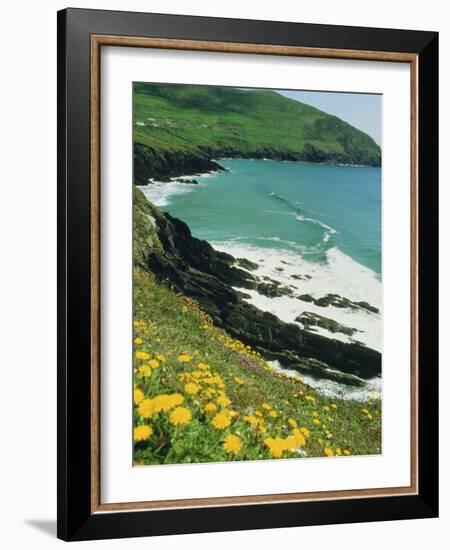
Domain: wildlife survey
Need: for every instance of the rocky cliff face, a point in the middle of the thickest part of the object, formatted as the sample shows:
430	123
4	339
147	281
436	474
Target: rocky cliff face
191	266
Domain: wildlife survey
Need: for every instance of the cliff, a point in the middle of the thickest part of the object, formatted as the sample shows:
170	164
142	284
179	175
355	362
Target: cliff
165	247
180	129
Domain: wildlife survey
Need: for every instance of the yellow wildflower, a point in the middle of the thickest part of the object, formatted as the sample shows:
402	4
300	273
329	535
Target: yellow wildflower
328	452
163	402
309	398
142	355
347	452
223	400
202	366
316	421
138	341
369	417
232	444
305	431
338	451
145	370
184	358
191	388
292	423
180	416
333	406
276	446
238	380
153	363
273	414
266	406
221	420
298	437
141	433
314	413
210	408
252	420
138	396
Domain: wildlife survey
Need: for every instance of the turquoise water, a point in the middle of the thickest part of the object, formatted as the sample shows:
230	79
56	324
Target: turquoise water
304	208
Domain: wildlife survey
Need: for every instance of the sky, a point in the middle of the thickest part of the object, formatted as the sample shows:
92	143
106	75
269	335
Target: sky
363	111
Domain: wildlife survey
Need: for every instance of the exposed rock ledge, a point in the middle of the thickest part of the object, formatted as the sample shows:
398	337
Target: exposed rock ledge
193	267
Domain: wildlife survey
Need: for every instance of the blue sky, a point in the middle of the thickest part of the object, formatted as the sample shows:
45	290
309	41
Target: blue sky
363	111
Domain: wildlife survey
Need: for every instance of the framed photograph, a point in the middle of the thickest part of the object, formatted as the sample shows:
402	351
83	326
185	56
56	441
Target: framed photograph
247	274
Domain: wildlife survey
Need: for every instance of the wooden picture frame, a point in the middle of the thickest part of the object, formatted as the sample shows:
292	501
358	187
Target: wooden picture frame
81	35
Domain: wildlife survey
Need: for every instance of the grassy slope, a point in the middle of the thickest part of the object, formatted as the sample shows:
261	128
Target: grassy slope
170	327
181	117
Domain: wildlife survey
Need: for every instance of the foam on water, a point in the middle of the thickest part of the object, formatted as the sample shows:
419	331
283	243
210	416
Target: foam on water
340	275
372	389
159	192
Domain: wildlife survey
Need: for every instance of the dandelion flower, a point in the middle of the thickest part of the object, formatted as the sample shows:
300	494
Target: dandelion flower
142	355
145	370
184	358
333	406
203	366
273	414
338	451
292	423
238	380
266	406
223	400
232	444
146	408
221	420
138	341
309	398
328	452
180	416
305	431
276	446
191	388
138	396
347	452
316	421
141	433
252	420
298	437
210	408
153	363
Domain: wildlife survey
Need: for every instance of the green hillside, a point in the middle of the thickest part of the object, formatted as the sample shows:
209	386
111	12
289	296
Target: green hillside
191	123
202	396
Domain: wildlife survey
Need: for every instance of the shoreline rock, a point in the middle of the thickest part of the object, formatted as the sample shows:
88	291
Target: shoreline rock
193	267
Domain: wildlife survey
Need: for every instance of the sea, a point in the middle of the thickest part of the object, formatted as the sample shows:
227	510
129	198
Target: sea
313	227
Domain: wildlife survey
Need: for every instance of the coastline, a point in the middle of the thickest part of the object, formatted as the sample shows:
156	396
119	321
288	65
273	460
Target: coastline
287	308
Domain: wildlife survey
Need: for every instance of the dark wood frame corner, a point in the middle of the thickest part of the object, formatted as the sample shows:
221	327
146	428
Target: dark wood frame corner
81	34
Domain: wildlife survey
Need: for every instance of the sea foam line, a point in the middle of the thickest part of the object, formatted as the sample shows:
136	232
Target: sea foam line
340	275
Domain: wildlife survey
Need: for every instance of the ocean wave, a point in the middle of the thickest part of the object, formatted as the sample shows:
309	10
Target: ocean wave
372	389
338	274
301	214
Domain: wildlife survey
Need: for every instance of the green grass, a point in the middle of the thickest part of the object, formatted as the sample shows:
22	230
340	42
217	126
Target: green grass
186	118
169	327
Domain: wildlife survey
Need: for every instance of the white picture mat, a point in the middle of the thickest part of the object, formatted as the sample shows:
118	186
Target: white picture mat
120	482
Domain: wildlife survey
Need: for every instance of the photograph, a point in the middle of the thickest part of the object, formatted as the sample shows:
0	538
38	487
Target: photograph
257	274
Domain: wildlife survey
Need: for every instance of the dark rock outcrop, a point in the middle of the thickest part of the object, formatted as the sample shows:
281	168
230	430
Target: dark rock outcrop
338	301
311	320
162	165
193	267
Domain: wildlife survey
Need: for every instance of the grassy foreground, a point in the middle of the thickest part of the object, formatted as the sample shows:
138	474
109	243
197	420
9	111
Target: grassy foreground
201	396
